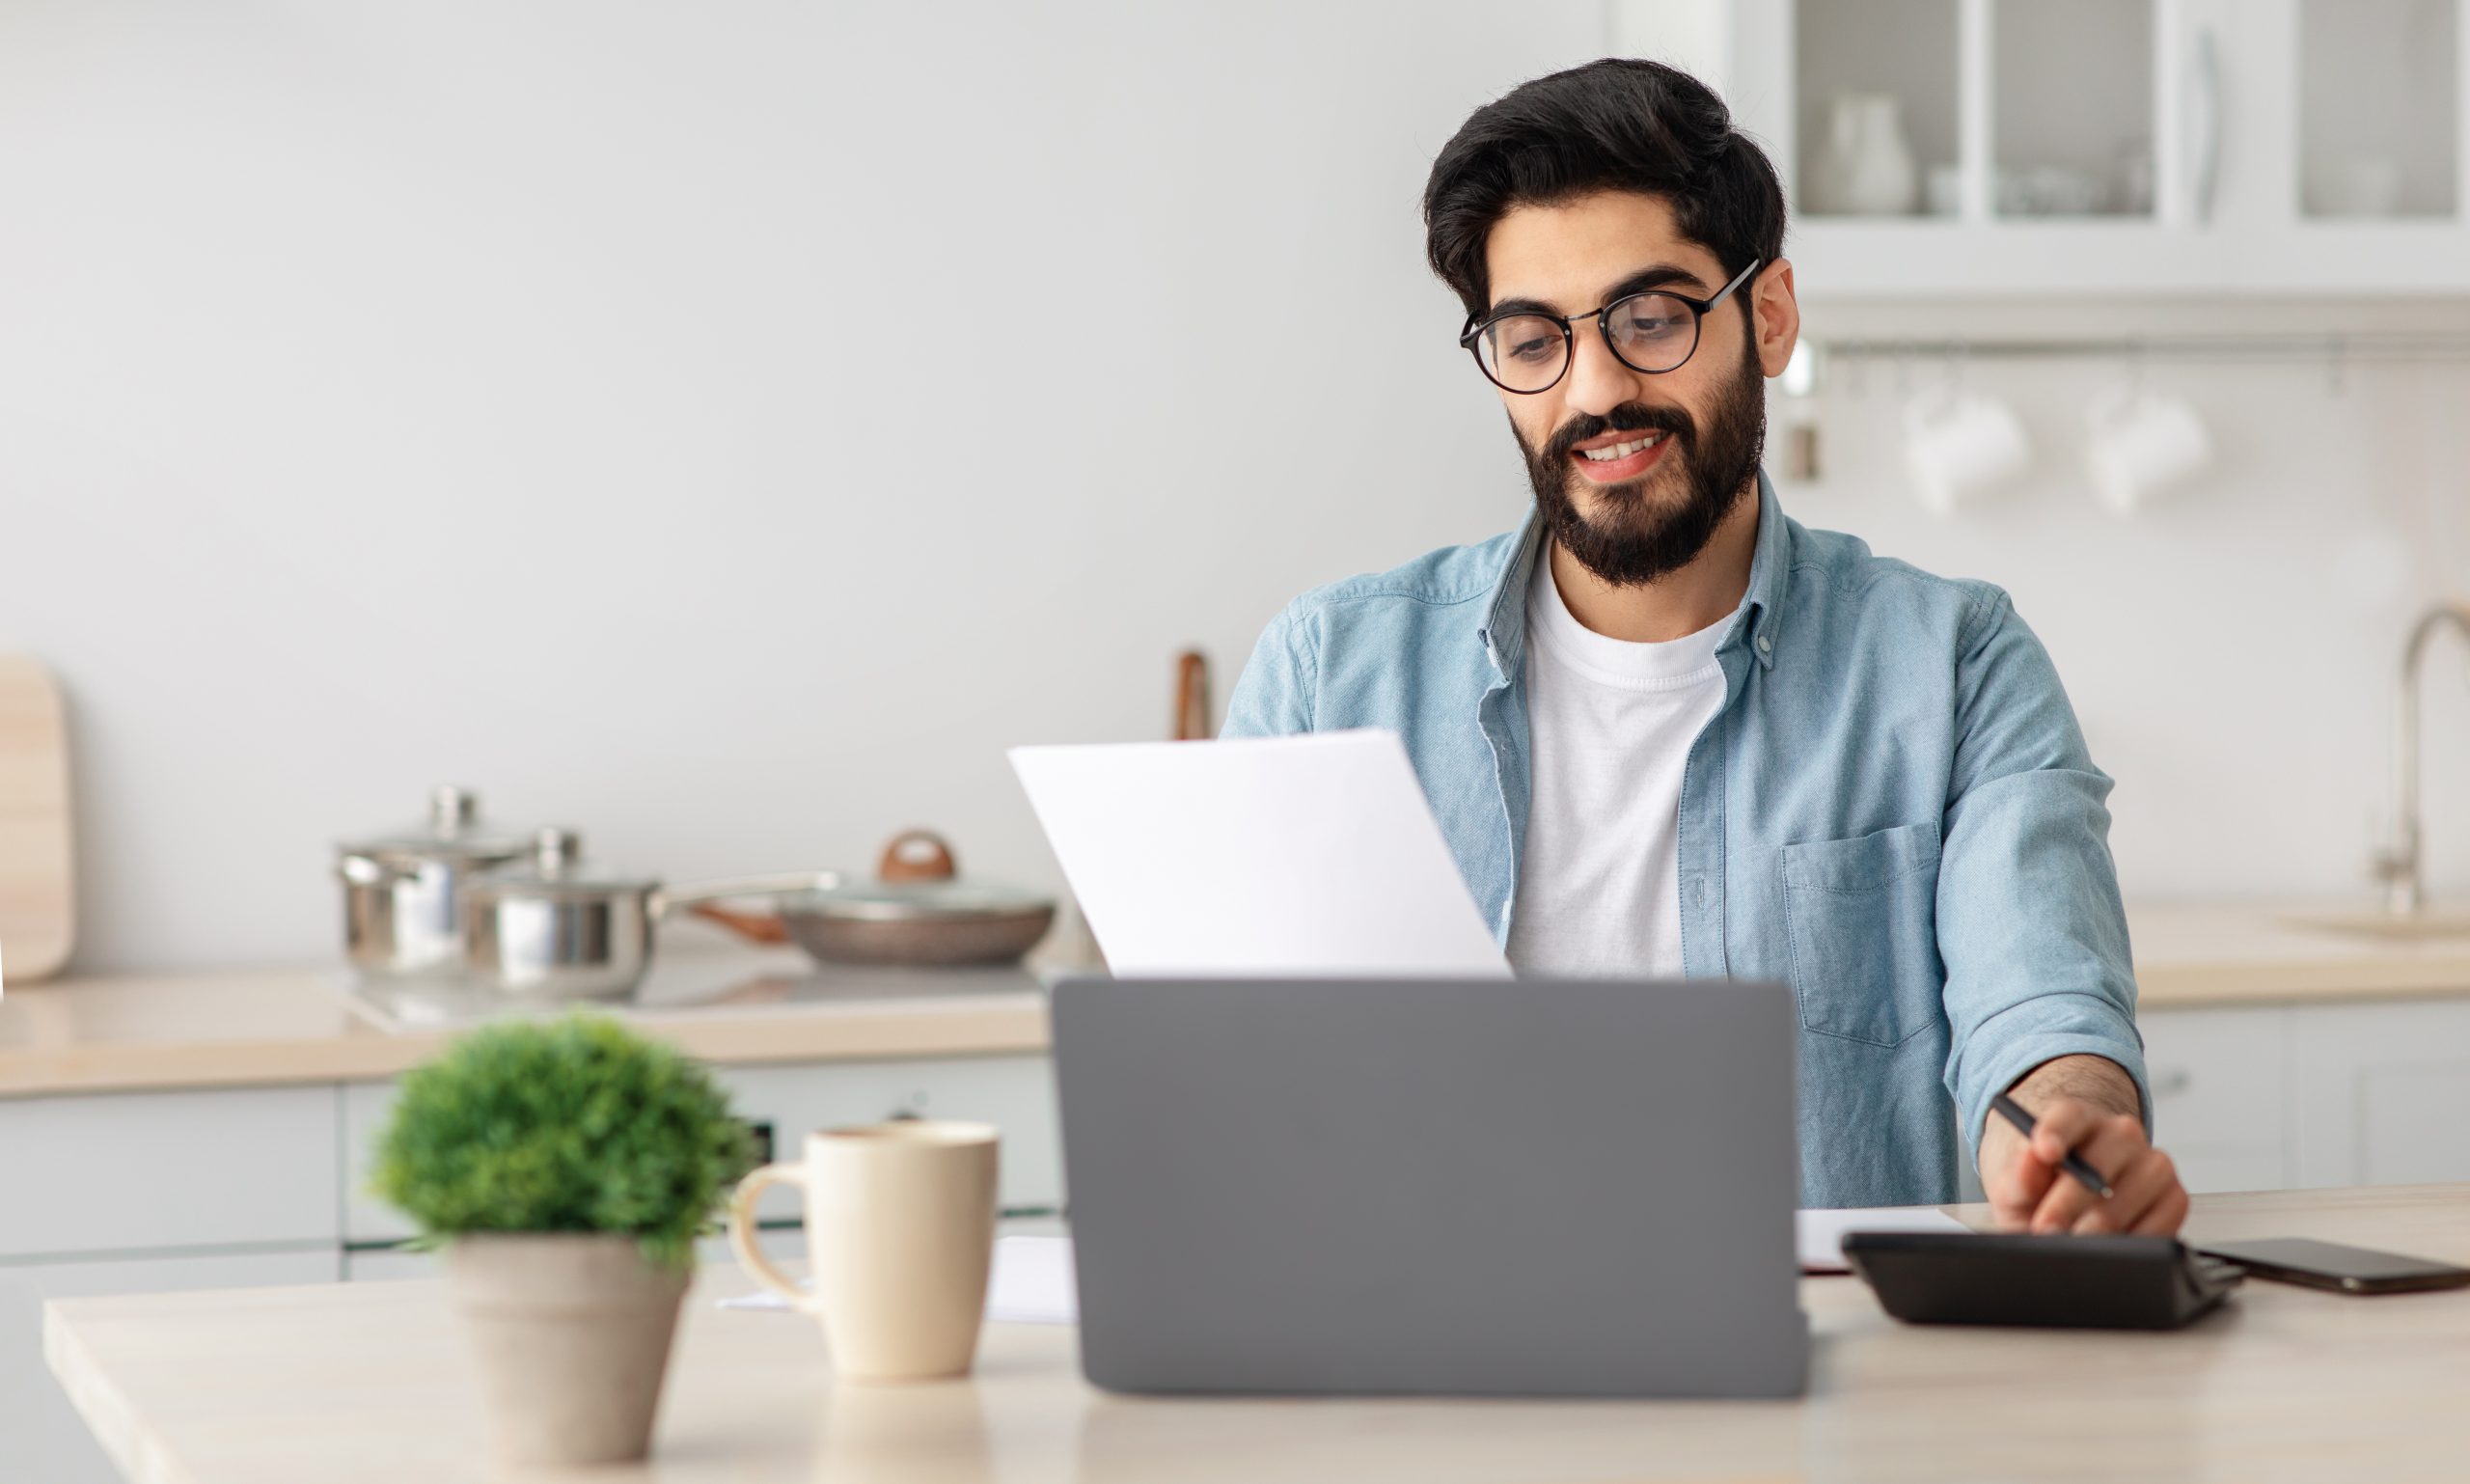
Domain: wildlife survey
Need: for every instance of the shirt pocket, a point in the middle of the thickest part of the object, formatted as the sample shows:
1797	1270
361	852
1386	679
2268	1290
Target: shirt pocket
1863	918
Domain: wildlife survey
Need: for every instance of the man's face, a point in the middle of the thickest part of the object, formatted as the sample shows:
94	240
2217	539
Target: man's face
1630	519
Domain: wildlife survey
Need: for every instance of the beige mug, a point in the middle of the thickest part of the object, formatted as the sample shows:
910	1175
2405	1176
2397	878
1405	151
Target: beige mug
900	1236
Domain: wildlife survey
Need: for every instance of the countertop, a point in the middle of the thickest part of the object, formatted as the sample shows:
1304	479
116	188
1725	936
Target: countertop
371	1381
226	1028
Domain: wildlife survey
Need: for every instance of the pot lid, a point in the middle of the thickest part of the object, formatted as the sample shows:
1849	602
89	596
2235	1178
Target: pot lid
918	881
556	870
454	832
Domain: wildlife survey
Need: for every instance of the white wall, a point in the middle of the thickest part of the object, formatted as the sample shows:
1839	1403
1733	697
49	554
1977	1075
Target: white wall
726	427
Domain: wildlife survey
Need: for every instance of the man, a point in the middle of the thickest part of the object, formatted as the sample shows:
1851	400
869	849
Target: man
1668	729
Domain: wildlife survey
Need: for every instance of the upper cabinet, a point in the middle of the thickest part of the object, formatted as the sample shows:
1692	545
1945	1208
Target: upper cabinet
2001	149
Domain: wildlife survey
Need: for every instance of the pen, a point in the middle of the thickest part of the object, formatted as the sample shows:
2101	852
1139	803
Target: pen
2014	1113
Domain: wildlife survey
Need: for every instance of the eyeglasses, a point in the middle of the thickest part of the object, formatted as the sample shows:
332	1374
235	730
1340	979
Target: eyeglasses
1653	332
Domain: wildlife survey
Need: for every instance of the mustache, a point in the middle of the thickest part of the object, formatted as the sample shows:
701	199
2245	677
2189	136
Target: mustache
1627	418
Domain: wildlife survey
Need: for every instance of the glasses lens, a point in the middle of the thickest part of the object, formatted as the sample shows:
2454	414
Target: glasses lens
1653	332
1522	352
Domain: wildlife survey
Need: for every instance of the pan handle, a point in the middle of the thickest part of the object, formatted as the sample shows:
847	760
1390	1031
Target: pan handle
776	884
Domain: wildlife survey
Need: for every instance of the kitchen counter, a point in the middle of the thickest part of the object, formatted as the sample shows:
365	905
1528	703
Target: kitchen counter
227	1027
230	1028
2194	955
372	1382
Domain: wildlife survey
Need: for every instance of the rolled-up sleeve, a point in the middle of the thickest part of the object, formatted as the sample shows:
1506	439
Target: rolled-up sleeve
1274	697
2031	930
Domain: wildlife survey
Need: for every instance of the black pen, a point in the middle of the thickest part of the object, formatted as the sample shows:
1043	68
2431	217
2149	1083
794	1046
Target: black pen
2014	1113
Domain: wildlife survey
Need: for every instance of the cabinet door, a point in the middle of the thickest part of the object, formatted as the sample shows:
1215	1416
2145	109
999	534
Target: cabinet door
2381	1093
42	1437
118	1171
2219	1103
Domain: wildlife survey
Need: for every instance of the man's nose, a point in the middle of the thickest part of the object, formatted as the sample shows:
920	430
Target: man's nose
1599	380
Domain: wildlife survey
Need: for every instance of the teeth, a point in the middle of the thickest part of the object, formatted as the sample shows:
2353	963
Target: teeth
1622	450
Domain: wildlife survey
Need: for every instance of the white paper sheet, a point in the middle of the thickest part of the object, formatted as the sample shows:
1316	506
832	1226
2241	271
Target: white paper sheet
1820	1234
1031	1283
1274	856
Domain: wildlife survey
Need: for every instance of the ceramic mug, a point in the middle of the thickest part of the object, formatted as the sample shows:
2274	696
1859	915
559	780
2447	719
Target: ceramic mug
2139	442
901	1237
1960	443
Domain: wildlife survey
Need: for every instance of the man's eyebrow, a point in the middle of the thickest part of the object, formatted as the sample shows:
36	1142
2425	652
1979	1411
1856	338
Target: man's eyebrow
1659	275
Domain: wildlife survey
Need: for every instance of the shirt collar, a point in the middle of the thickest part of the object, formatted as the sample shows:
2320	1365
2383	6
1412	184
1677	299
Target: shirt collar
1770	563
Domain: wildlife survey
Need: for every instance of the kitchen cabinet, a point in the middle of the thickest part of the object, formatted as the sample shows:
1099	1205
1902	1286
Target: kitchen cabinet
2364	1093
42	1437
1014	1093
1951	149
2380	1094
2220	1102
104	1172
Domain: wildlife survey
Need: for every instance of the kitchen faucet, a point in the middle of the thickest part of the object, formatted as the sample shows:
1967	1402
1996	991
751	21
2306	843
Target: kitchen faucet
2397	864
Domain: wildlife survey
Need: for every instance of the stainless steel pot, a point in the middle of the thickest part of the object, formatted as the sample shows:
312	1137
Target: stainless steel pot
553	928
403	890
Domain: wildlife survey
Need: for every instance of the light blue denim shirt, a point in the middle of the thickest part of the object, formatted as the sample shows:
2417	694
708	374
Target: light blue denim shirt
1893	812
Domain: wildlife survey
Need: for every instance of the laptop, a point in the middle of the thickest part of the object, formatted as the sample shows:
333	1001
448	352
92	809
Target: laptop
1433	1185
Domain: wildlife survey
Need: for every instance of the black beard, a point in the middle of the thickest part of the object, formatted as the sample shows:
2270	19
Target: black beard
1633	545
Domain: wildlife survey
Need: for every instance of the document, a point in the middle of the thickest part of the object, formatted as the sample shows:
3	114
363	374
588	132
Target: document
1271	856
1031	1283
1818	1234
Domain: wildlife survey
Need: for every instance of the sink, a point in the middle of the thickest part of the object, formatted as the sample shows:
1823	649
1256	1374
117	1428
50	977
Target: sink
2411	927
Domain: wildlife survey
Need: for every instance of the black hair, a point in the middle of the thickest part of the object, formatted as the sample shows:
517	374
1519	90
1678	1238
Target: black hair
1619	123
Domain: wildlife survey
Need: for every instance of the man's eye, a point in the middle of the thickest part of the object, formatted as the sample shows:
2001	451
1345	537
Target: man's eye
1536	350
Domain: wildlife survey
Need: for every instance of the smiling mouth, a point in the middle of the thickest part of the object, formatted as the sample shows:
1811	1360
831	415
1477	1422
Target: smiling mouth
1614	451
1620	462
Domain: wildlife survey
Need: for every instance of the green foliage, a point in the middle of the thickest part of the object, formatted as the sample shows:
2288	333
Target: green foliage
574	1124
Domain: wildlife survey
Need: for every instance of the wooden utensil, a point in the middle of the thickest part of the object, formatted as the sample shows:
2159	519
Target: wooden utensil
37	893
1191	696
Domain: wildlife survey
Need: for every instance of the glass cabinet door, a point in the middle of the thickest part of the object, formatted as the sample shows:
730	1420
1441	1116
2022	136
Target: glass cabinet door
2379	121
1875	94
2072	108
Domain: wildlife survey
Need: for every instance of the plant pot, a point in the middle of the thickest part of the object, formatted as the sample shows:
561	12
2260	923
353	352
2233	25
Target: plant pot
572	1331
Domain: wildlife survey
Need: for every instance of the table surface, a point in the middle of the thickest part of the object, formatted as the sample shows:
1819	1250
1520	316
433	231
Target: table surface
369	1382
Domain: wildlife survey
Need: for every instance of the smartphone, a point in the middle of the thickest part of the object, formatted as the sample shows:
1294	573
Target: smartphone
2342	1269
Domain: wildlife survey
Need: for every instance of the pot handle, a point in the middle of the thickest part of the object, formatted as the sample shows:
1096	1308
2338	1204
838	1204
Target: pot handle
916	855
362	871
776	884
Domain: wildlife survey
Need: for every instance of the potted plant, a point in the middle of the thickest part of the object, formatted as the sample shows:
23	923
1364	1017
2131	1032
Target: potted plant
566	1167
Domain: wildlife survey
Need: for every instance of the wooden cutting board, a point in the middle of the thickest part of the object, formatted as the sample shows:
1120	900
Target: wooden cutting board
38	901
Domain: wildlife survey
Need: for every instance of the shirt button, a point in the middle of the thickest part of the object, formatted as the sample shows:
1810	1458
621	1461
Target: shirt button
1763	645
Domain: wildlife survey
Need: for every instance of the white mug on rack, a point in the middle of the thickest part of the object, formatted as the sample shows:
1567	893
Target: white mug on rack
2139	442
1960	443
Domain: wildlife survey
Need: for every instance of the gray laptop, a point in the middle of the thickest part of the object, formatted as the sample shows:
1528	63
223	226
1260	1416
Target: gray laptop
1562	1188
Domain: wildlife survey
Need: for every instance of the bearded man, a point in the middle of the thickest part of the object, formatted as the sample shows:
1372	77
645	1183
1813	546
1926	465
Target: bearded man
1668	730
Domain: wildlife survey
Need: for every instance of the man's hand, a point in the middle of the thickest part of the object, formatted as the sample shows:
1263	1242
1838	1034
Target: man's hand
2088	1105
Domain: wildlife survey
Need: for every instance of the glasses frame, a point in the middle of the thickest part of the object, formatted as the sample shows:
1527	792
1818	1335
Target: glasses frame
1699	310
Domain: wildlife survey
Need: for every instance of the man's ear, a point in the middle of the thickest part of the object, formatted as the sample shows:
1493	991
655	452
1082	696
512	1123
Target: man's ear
1775	316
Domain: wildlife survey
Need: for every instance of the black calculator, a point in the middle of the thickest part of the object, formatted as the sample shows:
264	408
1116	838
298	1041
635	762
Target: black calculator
2091	1282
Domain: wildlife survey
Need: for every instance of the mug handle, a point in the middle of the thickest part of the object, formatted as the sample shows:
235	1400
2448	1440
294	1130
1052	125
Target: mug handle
749	1256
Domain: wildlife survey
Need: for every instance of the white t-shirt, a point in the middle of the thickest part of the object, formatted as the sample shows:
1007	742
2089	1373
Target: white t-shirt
1610	726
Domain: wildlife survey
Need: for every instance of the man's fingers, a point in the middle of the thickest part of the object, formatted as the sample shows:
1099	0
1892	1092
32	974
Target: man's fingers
2110	1143
2019	1190
2166	1216
2141	1185
2063	1126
